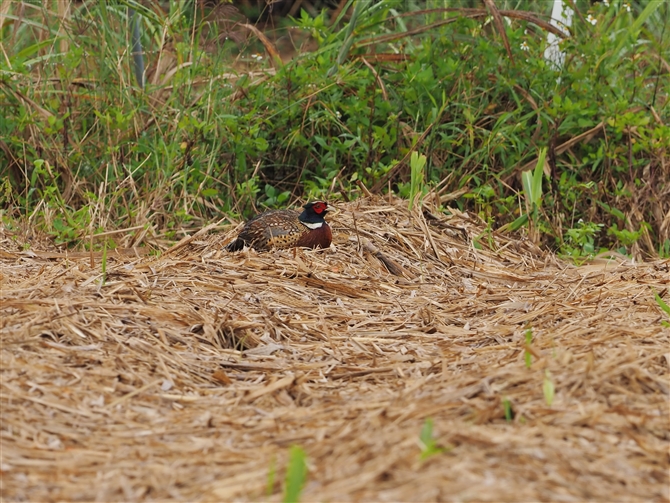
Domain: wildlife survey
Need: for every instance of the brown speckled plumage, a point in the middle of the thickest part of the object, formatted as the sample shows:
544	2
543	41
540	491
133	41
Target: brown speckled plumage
286	229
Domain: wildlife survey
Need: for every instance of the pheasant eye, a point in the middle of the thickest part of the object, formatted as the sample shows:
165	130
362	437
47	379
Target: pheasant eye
319	207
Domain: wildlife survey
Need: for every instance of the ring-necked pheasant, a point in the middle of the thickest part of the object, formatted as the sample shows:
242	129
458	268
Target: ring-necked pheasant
286	229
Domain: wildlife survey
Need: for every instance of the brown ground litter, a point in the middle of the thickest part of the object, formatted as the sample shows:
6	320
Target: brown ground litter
188	376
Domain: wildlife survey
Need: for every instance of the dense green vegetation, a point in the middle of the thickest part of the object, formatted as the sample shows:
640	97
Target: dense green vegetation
223	126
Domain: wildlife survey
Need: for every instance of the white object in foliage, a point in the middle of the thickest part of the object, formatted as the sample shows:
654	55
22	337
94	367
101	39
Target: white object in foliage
561	18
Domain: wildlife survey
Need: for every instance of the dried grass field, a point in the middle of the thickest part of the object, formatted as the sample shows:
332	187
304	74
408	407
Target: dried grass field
187	376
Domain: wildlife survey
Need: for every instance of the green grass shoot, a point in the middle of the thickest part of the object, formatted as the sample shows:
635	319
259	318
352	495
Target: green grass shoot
296	475
427	442
665	309
417	164
507	408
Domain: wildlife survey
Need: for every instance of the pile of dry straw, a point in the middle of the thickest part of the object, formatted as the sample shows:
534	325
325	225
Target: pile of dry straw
187	376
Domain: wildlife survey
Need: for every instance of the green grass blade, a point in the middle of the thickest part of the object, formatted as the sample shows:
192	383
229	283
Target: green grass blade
426	435
538	172
417	177
507	408
349	38
296	474
634	29
428	445
516	225
662	304
527	182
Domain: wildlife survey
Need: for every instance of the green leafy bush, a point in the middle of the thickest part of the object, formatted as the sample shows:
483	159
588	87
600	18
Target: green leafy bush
219	128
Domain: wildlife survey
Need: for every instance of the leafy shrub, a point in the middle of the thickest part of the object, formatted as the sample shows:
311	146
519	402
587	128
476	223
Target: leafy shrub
219	128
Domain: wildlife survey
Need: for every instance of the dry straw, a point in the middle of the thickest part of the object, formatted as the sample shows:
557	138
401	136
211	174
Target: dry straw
189	375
